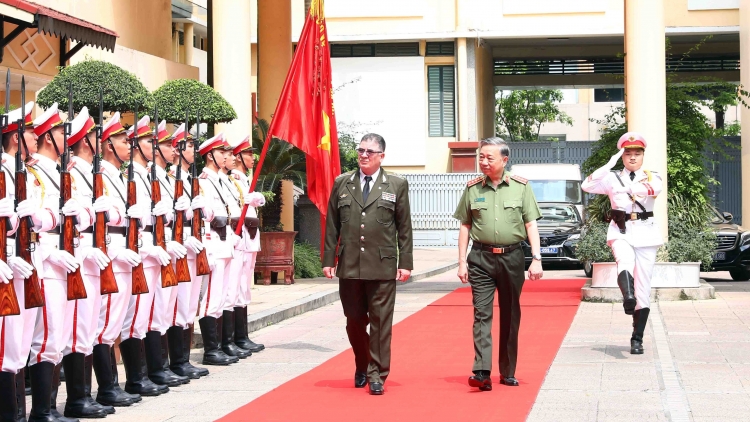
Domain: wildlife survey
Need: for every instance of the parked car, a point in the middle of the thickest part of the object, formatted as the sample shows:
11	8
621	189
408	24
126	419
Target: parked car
733	250
559	231
553	183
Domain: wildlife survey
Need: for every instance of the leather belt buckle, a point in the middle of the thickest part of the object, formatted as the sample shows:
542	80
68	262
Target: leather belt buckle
498	250
633	216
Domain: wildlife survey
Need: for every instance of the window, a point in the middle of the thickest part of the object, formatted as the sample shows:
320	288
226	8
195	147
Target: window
441	100
609	95
375	50
440	49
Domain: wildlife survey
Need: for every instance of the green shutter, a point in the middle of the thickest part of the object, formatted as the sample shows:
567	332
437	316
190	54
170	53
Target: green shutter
441	101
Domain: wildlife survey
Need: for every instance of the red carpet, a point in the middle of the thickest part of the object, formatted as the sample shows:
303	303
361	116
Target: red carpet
432	354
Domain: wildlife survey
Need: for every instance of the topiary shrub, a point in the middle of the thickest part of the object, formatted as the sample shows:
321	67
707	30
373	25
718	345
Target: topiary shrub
122	90
176	97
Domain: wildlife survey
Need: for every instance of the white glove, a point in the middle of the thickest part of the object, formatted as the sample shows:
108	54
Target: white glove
182	203
72	208
236	239
157	252
602	171
23	268
64	259
137	211
199	202
613	161
193	244
30	208
174	248
6	273
129	257
97	257
162	207
102	204
254	199
7	207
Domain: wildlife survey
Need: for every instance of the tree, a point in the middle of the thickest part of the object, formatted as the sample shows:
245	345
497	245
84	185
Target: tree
176	97
519	114
122	91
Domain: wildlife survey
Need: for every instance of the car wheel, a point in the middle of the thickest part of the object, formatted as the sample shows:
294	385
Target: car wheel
740	274
588	268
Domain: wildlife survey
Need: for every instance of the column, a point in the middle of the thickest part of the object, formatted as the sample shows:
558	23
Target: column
646	86
745	116
175	44
188	29
231	63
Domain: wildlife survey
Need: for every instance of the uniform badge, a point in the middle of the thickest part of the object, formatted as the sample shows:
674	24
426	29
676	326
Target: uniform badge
479	199
343	196
390	197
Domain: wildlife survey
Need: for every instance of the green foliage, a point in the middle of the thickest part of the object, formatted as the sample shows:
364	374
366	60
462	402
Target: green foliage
347	147
122	90
593	243
307	261
519	114
690	236
176	97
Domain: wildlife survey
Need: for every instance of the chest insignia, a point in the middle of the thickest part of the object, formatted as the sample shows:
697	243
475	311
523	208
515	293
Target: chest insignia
390	197
343	196
479	199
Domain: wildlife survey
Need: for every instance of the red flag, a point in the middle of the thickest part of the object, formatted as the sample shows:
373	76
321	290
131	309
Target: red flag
304	115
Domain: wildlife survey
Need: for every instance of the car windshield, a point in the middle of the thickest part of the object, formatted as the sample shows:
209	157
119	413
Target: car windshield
559	214
715	216
557	190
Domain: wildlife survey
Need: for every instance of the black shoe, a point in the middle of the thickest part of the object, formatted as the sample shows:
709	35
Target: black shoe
165	361
116	378
636	347
360	379
54	413
41	375
77	404
626	282
240	331
177	363
636	340
212	355
511	381
227	337
481	380
106	393
376	388
137	383
187	339
154	362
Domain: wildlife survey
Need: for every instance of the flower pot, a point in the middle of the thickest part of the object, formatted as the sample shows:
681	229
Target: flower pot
276	254
666	274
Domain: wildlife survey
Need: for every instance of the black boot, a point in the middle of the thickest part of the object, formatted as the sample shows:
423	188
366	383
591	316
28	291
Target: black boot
106	393
165	361
137	382
240	331
177	361
27	380
636	341
40	376
187	339
227	337
212	355
8	398
88	363
57	416
154	364
116	378
21	394
626	282
77	404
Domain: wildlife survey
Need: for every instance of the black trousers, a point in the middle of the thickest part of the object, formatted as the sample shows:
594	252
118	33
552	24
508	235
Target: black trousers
489	272
369	302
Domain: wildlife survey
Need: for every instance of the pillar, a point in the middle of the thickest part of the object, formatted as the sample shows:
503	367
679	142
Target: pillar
274	58
646	88
175	44
745	116
188	30
231	63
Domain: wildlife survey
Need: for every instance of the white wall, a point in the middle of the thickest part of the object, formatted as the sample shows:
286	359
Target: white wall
389	99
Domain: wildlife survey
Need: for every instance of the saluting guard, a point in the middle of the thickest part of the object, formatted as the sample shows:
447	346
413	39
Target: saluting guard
633	233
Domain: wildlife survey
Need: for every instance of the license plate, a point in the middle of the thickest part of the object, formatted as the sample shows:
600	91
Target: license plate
720	256
549	250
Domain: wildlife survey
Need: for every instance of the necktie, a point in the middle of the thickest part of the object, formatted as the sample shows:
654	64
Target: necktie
366	189
632	175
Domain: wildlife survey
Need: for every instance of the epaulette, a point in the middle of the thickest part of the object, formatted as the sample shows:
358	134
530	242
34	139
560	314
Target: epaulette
519	179
473	182
172	176
71	164
203	176
3	160
345	175
236	176
32	162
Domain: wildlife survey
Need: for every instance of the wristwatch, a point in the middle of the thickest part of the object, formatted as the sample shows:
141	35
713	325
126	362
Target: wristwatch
536	257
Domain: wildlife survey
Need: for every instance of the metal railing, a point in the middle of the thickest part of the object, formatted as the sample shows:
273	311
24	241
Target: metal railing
615	66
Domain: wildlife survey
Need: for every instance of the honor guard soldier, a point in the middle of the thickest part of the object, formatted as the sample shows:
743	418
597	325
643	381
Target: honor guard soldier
633	233
166	298
249	246
17	329
497	211
115	151
188	294
219	243
139	331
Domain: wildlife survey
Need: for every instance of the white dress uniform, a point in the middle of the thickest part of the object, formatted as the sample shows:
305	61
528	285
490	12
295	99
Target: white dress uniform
247	247
165	297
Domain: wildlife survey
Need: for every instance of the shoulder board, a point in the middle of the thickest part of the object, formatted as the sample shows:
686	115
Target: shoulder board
171	175
3	160
473	182
396	175
32	162
203	176
345	175
236	176
519	179
71	164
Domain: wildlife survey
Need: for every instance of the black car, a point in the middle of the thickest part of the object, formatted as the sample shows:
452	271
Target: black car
733	250
559	231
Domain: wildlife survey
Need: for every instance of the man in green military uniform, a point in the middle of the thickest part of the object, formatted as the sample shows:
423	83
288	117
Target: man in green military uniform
498	211
368	229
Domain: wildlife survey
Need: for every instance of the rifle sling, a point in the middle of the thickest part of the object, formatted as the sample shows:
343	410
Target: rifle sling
643	209
57	186
115	186
7	170
85	180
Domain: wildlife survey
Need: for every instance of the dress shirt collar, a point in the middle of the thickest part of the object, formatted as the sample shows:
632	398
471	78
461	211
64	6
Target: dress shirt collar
374	176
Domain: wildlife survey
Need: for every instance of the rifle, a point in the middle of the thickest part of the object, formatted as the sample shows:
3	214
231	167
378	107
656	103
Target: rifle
8	298
140	286
183	271
68	232
168	277
201	260
107	275
33	296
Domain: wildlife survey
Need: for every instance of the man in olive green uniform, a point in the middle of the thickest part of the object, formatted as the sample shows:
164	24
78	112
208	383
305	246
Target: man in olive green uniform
498	211
368	228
